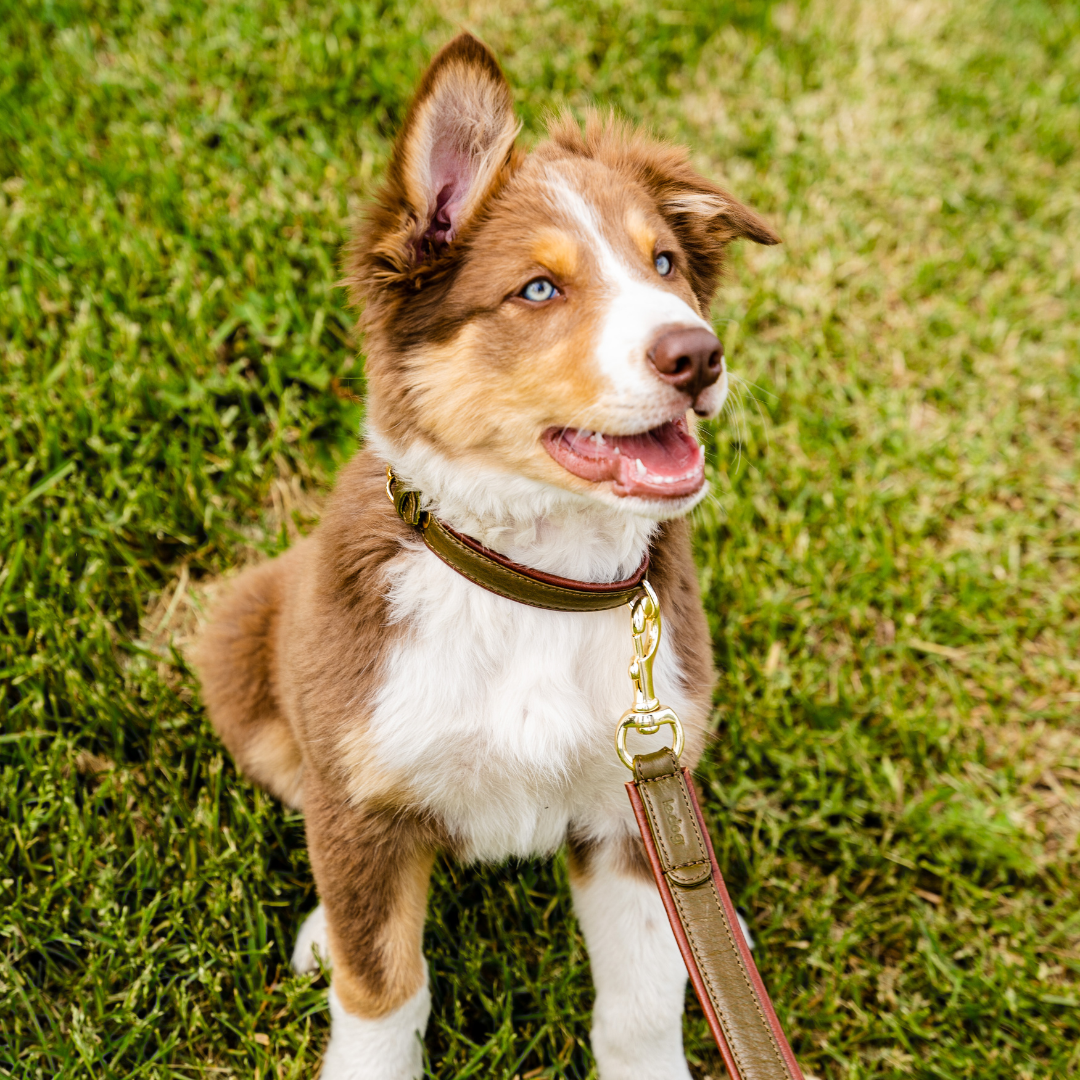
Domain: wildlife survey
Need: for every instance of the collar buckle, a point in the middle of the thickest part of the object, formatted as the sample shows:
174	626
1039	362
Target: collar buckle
406	503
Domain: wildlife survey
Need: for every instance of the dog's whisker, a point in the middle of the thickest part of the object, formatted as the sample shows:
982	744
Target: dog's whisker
731	410
740	390
751	385
741	385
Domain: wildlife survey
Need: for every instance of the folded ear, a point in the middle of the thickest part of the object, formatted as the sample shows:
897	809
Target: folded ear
727	218
706	218
703	216
457	136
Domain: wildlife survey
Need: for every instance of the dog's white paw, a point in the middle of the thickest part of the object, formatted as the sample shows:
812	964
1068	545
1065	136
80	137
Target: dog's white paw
385	1049
742	922
311	944
641	1063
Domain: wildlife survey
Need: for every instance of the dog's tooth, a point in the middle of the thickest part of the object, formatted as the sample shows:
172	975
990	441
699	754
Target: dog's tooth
617	450
640	467
586	434
598	439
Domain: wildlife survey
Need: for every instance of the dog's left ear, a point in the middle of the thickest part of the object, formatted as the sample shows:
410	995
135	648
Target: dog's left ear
457	136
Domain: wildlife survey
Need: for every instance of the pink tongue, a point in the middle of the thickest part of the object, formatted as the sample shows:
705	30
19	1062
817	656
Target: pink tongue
666	461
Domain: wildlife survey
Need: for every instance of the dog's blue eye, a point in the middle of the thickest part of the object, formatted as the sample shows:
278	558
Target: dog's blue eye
663	264
539	290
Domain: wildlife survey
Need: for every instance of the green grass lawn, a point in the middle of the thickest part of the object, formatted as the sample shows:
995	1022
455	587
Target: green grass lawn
889	563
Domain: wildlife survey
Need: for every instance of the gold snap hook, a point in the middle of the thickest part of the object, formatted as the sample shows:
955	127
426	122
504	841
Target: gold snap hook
646	715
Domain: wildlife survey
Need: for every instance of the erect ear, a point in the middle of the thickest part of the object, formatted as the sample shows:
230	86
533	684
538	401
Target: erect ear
457	135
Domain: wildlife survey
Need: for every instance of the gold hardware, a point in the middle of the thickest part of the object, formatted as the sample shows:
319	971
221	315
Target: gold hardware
407	503
646	715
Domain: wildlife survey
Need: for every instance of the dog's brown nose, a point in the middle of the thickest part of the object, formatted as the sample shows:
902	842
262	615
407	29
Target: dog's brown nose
689	359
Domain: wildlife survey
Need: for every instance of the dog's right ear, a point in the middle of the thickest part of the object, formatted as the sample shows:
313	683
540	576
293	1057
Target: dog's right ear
457	136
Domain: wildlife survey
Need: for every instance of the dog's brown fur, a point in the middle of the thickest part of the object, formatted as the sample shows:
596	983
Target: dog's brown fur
295	645
298	646
516	371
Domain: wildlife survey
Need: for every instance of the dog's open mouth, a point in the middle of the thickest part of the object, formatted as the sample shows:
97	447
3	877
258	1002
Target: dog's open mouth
666	461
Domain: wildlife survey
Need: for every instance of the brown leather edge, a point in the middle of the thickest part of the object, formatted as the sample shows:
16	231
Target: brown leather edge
503	576
630	583
506	578
744	950
680	935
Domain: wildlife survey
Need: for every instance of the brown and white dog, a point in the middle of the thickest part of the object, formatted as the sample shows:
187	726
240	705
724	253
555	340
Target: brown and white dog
536	339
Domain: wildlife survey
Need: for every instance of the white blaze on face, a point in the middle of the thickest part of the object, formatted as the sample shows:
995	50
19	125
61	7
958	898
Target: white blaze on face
635	312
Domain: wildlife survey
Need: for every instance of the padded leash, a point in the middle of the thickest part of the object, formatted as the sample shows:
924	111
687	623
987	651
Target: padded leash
726	980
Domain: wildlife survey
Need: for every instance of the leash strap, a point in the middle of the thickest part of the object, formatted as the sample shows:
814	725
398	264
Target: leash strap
736	1005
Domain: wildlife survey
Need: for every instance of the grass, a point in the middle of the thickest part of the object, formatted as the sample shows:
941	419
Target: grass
889	565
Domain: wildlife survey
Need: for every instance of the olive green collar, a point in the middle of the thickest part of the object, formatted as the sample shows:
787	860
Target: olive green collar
500	575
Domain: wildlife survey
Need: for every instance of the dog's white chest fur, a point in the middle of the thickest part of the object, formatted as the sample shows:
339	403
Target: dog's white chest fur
500	717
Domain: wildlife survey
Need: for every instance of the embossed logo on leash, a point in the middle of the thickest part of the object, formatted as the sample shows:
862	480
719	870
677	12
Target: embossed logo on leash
674	821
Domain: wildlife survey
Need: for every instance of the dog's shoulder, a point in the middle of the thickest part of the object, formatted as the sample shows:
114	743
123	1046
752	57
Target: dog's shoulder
359	533
336	625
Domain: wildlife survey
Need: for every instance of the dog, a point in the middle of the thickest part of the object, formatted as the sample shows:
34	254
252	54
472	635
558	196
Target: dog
537	352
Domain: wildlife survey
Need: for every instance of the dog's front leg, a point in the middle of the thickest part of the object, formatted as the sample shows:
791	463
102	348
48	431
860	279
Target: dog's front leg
639	976
372	868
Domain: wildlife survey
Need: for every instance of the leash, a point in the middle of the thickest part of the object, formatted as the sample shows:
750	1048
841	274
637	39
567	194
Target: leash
725	978
736	1004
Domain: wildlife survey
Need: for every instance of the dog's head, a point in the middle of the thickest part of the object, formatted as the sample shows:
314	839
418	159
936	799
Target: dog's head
544	315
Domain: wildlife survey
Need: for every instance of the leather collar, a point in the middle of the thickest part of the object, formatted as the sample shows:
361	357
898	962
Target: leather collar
502	576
